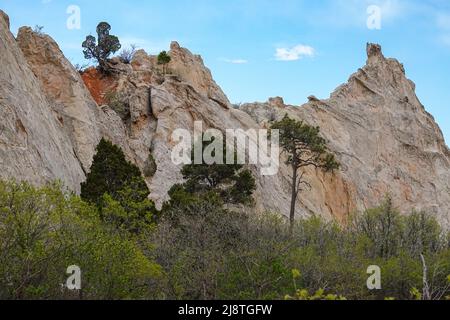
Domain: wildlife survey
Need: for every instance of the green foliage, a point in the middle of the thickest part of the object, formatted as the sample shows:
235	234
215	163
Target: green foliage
230	182
393	233
111	173
128	213
117	102
44	231
304	145
304	148
105	46
211	253
203	251
415	294
164	59
304	295
114	181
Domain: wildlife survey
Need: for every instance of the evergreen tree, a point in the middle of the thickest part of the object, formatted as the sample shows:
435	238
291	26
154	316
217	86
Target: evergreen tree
164	59
105	46
114	182
111	173
305	148
233	183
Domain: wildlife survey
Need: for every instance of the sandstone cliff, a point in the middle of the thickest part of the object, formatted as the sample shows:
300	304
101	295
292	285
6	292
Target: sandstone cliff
382	135
33	143
52	121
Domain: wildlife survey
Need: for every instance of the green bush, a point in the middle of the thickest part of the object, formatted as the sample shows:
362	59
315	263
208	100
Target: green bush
212	253
200	250
43	231
117	103
113	181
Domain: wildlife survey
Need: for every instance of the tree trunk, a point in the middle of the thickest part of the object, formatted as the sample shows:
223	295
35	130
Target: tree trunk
426	288
293	199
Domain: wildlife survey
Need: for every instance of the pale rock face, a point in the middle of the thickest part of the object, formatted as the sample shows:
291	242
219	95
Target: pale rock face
277	102
63	86
191	69
4	19
176	105
381	134
80	117
33	143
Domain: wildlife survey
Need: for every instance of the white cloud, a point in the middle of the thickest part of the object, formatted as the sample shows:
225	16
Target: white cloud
353	13
235	61
295	53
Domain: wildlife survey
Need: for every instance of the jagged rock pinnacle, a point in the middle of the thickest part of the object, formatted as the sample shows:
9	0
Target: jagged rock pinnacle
5	17
277	102
374	53
174	45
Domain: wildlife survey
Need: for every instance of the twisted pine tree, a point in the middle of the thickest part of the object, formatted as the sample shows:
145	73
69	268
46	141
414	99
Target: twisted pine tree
105	46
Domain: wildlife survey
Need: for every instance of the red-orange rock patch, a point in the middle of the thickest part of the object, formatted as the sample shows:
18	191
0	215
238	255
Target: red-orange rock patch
98	84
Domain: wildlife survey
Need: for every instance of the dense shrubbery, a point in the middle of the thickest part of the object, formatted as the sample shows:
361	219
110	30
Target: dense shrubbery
211	253
199	248
44	231
202	251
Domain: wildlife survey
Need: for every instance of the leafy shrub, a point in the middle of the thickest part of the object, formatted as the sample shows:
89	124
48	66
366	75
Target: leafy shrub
117	103
212	253
44	230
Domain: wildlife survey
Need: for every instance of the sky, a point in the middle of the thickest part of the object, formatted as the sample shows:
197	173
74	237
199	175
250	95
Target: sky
258	49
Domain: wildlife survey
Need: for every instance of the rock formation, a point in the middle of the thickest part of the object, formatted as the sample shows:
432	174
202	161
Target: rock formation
383	137
33	143
52	119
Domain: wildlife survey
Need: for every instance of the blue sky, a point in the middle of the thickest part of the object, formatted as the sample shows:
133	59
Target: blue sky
262	48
